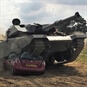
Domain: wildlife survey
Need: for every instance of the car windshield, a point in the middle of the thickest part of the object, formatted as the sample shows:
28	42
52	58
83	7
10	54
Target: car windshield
28	56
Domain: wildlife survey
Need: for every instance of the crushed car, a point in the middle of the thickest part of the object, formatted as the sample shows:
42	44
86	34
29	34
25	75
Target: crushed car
24	64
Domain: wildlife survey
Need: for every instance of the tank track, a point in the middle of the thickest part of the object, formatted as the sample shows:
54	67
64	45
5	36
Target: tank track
75	51
39	46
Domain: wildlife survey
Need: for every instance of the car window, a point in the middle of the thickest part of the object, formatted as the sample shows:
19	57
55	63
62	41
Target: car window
27	55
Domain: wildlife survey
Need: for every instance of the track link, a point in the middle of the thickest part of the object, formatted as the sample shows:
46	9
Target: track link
39	46
75	50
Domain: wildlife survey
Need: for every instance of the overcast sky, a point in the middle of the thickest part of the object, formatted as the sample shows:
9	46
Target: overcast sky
39	11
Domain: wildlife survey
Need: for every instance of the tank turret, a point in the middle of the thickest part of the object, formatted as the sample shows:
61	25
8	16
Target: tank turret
69	25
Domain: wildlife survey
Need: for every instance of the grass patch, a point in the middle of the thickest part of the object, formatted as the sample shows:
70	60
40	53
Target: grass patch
83	56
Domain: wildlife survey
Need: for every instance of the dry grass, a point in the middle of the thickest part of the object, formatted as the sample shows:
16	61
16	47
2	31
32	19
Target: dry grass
83	55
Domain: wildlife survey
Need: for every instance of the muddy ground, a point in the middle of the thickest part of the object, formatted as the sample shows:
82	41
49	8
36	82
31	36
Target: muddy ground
69	75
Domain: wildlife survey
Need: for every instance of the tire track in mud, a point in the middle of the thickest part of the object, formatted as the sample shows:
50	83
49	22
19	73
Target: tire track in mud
36	83
19	83
8	83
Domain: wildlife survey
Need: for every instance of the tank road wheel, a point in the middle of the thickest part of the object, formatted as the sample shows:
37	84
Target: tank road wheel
74	50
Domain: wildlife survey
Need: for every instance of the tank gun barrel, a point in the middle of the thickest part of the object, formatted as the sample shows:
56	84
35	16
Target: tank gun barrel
77	15
61	22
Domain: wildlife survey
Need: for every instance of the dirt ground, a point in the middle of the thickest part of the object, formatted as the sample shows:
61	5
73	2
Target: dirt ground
69	75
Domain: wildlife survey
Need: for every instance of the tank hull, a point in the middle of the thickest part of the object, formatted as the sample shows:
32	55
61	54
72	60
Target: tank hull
20	44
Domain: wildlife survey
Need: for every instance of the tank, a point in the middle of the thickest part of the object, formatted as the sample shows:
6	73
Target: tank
62	40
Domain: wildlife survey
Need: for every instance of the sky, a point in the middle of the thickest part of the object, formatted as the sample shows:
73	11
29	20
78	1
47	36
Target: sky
39	11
